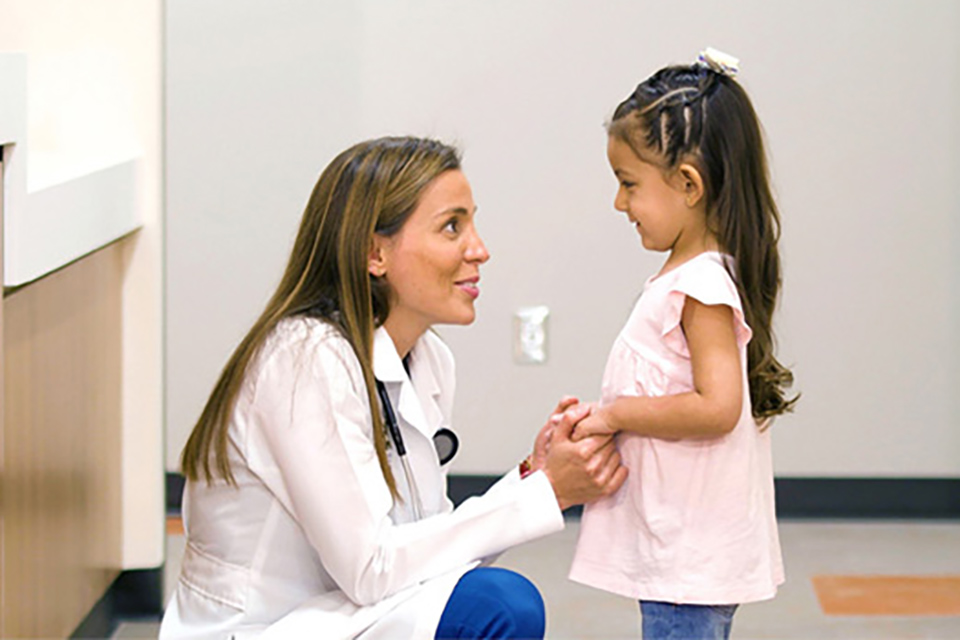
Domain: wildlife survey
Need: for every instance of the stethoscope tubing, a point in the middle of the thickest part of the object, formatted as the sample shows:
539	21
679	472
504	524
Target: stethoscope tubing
391	419
393	427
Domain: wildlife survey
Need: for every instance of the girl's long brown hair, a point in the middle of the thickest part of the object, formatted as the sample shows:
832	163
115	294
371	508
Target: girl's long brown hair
372	187
694	114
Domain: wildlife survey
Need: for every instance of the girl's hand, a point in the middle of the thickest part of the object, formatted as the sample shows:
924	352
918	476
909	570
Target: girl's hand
581	471
542	444
595	424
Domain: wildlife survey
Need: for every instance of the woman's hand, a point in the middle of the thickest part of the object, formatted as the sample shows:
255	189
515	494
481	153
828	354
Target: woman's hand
540	446
584	470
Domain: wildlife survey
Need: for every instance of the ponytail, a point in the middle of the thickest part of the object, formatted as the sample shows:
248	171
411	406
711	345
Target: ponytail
697	115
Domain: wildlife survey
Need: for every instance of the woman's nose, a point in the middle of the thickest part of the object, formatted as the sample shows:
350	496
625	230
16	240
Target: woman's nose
476	250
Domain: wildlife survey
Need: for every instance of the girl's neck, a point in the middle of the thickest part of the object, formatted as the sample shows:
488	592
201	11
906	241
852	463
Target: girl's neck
685	252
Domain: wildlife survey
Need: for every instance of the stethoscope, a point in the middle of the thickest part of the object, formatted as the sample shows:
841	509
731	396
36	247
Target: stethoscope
445	442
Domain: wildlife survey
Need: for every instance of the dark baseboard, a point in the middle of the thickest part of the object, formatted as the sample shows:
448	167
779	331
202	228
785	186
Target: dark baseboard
461	487
797	498
831	498
175	482
135	594
868	498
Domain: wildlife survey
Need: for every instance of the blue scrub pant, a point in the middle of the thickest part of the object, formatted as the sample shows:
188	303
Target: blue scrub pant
493	603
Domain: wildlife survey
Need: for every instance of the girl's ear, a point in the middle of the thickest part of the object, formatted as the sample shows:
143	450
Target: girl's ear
377	263
691	182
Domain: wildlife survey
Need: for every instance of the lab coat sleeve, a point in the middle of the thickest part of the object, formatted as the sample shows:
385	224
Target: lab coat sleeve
309	438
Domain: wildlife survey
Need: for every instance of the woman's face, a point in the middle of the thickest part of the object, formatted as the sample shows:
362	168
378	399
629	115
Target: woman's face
433	263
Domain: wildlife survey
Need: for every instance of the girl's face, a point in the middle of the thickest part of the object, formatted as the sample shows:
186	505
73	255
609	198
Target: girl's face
433	263
657	205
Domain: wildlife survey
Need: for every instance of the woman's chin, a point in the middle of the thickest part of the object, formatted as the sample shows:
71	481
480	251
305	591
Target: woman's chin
465	317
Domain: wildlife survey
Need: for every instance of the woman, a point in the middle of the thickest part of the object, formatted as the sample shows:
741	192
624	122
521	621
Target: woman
302	518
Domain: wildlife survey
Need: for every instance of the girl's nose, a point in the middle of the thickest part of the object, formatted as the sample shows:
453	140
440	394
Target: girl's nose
620	201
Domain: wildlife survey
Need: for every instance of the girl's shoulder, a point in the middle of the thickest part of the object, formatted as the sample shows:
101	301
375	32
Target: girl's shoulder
706	277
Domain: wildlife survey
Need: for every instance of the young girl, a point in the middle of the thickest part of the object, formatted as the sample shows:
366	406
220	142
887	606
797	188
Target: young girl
692	382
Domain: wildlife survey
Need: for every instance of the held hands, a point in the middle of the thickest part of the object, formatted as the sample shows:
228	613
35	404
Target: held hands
581	468
596	423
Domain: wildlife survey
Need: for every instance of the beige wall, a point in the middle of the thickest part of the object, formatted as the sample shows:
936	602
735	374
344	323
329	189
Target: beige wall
93	101
858	100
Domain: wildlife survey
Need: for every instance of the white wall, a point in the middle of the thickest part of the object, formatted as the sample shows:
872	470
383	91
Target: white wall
858	100
259	99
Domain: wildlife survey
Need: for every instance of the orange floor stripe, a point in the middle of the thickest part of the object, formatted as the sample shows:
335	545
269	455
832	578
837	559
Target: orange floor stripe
888	595
174	526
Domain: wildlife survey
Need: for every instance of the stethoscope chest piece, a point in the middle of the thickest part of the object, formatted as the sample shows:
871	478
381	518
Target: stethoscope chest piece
447	444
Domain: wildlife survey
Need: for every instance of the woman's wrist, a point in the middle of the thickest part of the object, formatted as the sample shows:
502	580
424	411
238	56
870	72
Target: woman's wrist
563	504
526	467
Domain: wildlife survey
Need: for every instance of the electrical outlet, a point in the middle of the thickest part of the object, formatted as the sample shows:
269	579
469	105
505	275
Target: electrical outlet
530	335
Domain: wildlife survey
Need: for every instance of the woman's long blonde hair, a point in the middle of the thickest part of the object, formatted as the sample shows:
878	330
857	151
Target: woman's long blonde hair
372	187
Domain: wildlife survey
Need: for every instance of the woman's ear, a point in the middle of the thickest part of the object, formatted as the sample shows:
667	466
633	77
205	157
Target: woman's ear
377	263
691	182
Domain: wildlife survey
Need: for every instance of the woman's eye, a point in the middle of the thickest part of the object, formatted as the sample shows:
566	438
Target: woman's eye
452	226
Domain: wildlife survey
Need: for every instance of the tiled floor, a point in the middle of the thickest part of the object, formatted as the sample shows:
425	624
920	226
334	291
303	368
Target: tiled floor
861	562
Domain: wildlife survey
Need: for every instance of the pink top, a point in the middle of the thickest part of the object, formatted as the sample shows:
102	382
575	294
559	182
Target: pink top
694	523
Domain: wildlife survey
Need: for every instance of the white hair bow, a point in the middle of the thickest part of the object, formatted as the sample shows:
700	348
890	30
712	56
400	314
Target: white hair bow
719	61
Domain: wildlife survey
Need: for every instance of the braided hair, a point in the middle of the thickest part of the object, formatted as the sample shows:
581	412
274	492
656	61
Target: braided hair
693	114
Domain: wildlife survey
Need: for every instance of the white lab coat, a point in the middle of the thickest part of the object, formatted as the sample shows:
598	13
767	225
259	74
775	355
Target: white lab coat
310	543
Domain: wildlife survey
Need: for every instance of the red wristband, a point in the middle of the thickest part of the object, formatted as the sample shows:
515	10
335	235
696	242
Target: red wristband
525	468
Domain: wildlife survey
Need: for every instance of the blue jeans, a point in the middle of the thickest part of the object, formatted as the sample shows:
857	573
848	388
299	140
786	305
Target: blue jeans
490	602
667	621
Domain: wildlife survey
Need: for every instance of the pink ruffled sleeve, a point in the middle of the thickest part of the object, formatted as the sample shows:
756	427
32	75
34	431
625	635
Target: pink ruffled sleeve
709	283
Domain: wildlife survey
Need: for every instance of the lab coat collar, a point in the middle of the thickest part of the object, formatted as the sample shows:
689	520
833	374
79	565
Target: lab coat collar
387	365
418	404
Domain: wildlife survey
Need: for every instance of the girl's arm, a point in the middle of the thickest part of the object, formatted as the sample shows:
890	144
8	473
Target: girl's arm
711	410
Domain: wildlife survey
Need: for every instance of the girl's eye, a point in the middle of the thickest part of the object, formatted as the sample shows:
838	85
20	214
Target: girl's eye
627	185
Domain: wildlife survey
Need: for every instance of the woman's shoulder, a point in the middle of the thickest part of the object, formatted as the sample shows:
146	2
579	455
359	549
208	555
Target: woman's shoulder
304	343
304	333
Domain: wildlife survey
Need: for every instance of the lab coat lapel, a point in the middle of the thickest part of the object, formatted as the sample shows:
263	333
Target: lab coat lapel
388	368
428	387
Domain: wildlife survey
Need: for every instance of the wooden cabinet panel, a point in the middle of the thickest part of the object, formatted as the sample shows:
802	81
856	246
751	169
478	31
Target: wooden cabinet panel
61	474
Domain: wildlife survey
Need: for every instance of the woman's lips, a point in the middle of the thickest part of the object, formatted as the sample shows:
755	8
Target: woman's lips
470	287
